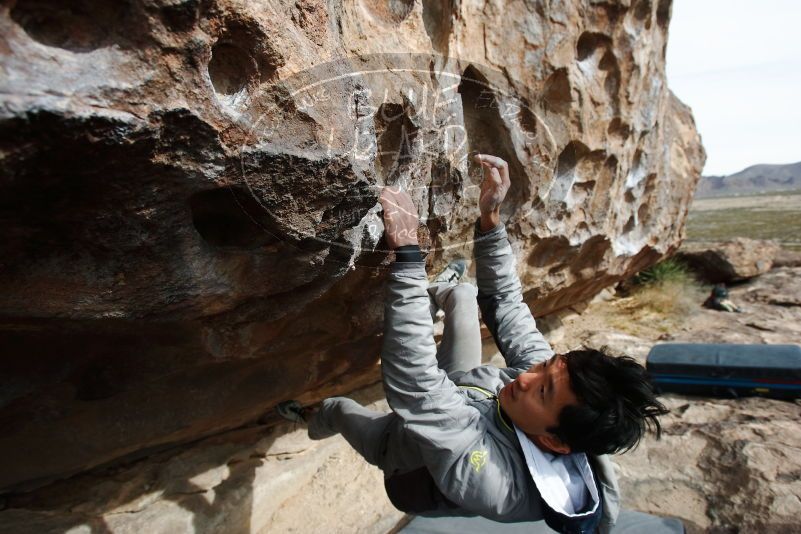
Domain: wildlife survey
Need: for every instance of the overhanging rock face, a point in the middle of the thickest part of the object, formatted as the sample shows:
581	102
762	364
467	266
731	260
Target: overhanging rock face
188	193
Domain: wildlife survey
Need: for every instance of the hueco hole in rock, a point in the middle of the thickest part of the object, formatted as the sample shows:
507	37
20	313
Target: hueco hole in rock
192	234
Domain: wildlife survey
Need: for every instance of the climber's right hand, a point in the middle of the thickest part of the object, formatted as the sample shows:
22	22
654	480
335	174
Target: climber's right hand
494	187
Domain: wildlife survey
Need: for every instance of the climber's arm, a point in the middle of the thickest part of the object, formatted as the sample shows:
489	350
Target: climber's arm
421	393
409	361
500	295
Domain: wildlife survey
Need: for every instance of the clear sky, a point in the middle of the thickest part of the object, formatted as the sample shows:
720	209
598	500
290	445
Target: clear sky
737	64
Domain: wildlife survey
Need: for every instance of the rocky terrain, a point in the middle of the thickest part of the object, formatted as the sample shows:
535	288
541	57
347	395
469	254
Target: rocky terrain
188	193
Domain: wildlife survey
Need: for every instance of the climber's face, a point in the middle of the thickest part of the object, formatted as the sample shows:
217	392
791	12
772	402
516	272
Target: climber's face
534	400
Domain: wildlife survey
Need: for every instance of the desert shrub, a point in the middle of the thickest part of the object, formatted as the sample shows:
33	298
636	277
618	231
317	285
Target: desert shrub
670	270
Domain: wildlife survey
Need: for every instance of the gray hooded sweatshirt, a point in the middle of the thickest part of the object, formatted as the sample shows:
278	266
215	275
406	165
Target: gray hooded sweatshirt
454	427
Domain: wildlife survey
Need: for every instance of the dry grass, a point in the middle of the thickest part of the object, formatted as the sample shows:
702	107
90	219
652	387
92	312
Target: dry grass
662	306
677	298
660	300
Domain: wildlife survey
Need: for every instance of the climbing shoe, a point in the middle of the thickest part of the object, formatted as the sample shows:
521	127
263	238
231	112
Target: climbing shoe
452	273
291	411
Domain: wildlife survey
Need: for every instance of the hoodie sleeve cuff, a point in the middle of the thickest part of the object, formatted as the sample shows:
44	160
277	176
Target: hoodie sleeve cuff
478	228
489	235
408	253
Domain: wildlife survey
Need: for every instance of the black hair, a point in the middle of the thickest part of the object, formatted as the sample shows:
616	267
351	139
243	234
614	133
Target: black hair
617	404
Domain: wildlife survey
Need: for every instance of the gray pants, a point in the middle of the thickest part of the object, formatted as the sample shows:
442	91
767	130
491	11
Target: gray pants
459	350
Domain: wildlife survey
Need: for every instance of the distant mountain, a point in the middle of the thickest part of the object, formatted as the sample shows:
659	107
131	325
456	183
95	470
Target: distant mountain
754	179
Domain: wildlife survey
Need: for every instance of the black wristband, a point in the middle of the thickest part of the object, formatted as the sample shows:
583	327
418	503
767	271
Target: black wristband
408	253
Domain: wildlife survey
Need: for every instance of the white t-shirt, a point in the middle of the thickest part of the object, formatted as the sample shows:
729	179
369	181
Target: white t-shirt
565	481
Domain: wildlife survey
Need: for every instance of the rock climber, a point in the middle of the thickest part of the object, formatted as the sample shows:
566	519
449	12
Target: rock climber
523	443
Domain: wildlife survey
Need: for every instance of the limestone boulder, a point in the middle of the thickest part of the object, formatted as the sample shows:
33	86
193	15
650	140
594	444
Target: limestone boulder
730	261
188	193
260	478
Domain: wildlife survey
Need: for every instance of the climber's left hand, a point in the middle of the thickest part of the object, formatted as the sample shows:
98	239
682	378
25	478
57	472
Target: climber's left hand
400	217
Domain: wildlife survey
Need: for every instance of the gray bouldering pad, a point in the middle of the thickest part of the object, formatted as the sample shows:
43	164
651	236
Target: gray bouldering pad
629	522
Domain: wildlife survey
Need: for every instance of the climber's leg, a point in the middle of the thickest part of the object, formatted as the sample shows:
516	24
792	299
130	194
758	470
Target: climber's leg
364	429
460	348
